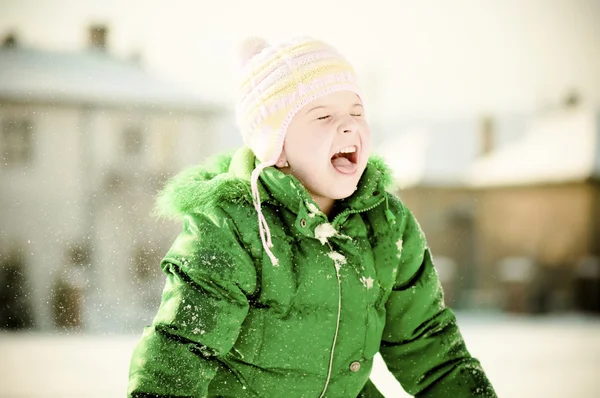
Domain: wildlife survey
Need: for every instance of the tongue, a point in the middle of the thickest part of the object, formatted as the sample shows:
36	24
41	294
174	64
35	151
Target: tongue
343	165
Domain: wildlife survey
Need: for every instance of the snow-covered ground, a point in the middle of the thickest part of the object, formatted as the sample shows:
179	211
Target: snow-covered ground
544	357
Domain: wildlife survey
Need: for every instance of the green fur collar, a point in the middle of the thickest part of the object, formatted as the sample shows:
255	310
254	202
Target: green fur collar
226	178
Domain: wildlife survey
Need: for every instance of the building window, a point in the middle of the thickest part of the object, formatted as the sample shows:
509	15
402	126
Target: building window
80	255
15	306
17	141
133	140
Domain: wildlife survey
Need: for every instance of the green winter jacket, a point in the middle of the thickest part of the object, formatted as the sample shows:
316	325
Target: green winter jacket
232	324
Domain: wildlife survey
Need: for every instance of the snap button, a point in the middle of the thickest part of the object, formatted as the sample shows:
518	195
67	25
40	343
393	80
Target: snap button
355	366
303	223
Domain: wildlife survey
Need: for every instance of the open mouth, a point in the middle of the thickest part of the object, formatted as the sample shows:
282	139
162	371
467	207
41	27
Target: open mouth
346	159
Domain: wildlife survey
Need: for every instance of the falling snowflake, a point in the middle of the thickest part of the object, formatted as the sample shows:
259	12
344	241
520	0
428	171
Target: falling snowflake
367	282
324	231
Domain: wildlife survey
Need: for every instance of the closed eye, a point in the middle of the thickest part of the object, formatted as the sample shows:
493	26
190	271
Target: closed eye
324	117
356	114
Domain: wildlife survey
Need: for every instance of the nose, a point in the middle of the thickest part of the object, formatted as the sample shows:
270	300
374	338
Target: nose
348	125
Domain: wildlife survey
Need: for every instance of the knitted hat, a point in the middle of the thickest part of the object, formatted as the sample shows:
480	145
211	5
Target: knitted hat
277	81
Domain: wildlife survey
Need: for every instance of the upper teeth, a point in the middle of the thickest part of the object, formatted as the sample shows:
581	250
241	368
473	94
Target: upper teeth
348	149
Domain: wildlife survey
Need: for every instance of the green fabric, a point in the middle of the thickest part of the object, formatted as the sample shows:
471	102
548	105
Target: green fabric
231	324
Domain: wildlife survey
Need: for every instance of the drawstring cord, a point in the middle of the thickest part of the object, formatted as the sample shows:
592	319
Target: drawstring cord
265	232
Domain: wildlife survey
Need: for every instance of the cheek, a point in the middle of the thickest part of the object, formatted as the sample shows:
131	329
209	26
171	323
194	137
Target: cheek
308	146
364	128
365	136
310	155
366	147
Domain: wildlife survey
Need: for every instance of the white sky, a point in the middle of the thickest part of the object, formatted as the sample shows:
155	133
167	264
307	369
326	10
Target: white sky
417	58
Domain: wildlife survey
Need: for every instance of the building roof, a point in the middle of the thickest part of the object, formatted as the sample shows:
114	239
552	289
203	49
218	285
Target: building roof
436	152
562	146
87	77
558	146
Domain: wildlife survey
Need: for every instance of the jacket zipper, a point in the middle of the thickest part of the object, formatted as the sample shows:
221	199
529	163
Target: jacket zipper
337	274
337	325
348	212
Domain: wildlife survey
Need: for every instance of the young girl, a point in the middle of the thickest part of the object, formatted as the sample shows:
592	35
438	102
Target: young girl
295	266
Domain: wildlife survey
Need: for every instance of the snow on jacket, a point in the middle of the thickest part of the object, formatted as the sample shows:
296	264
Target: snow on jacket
231	324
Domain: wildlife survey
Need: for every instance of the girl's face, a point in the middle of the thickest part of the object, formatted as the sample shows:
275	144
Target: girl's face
327	146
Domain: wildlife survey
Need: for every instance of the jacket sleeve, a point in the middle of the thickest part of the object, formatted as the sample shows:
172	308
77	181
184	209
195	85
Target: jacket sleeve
422	345
370	391
204	302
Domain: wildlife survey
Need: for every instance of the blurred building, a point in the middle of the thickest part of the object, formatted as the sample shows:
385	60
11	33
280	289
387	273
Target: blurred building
86	141
538	214
510	207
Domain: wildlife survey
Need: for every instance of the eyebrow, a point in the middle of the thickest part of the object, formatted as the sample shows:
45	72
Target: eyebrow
323	107
315	108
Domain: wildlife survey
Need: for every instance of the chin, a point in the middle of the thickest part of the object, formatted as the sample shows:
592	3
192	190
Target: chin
342	193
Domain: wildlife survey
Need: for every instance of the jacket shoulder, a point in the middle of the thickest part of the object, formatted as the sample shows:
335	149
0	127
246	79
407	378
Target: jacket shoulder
188	193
